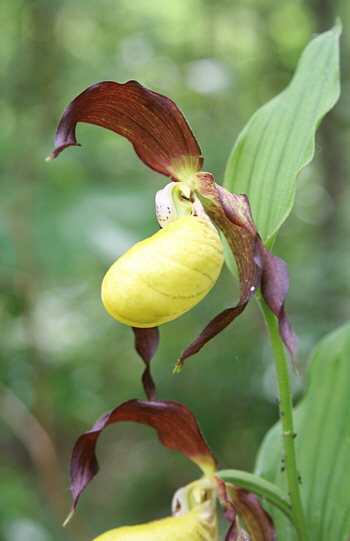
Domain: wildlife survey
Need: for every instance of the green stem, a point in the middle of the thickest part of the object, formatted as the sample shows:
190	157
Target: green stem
286	413
260	487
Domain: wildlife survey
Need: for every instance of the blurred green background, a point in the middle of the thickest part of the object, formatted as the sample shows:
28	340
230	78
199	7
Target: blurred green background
64	361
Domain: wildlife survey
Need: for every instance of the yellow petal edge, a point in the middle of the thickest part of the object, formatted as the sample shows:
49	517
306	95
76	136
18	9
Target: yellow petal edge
189	527
164	276
195	520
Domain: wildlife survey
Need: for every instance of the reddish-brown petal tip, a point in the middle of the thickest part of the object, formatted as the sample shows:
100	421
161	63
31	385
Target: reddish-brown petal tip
216	325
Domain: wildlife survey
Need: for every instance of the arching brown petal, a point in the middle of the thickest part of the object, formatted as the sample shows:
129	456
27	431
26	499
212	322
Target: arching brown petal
151	122
176	426
146	344
256	521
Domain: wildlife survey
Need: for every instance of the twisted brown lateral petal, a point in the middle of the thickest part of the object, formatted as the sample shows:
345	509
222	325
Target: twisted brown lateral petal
151	122
256	265
256	521
274	274
176	426
238	227
214	327
235	532
146	343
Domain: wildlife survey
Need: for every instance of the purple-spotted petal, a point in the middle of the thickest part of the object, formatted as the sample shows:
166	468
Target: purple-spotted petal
176	426
151	122
256	521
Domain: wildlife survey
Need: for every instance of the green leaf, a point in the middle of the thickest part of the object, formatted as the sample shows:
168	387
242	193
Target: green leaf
322	421
278	141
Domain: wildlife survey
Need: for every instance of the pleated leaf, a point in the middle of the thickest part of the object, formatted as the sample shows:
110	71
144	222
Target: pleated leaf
322	421
279	139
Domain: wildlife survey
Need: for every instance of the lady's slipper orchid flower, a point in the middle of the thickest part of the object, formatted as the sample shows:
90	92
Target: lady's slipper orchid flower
164	142
194	518
194	513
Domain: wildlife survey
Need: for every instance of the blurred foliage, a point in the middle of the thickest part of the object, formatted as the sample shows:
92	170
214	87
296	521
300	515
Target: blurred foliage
64	361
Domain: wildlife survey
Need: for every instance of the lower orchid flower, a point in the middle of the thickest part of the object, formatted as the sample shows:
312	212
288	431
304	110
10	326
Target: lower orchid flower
194	518
164	276
194	507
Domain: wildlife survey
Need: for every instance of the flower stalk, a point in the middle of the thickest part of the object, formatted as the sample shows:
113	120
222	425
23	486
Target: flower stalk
260	487
286	414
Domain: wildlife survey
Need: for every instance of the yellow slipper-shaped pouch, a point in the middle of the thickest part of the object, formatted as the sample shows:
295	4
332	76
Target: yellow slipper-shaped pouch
189	527
197	521
164	276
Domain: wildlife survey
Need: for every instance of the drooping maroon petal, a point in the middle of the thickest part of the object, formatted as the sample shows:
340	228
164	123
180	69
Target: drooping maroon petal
256	521
274	278
232	215
256	265
146	344
151	122
274	288
176	426
235	532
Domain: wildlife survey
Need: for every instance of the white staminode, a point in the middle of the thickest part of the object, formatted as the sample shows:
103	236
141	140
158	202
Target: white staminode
173	202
